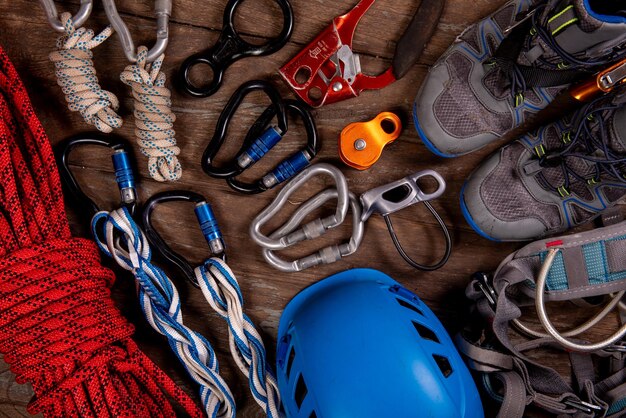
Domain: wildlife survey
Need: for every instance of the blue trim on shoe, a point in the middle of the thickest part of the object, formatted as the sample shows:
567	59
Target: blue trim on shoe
431	147
603	18
469	218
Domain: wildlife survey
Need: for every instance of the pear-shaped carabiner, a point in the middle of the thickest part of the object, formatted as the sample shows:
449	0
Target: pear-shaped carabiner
206	219
86	6
288	167
162	10
124	169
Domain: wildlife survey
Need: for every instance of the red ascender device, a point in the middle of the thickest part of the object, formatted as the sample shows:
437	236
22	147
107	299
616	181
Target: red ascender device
328	71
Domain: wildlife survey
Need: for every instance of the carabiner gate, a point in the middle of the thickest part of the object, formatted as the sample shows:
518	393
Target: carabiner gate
206	220
162	10
124	173
86	6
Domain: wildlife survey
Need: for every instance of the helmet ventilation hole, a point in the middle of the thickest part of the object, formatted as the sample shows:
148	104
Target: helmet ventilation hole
425	332
444	365
292	356
313	415
408	305
301	391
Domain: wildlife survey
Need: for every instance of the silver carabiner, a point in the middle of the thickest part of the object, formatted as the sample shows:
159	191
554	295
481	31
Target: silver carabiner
400	194
311	229
162	10
327	255
86	6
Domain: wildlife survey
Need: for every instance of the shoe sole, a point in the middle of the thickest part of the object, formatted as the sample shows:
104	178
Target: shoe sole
470	220
431	147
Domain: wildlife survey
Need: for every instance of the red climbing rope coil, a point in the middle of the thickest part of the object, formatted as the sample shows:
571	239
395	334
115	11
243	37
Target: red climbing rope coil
59	328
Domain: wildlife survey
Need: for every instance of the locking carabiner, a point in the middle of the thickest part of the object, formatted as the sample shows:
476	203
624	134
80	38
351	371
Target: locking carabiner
124	173
312	229
259	140
400	194
328	254
206	220
162	10
286	168
86	6
230	47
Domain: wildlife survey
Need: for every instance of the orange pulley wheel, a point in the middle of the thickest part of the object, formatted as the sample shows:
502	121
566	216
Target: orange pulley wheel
362	143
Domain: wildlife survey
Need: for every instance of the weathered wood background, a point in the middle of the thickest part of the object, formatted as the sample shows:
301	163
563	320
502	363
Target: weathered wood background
195	25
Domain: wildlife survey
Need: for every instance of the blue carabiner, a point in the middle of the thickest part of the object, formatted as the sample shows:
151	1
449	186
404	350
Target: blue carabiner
206	220
121	157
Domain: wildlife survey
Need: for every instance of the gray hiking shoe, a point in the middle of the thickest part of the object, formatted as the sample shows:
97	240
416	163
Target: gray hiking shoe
563	175
491	79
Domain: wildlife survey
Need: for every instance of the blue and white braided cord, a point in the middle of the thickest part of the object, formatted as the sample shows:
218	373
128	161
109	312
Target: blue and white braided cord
222	292
76	75
160	304
154	118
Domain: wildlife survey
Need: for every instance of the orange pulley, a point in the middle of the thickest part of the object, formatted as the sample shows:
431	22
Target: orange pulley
361	143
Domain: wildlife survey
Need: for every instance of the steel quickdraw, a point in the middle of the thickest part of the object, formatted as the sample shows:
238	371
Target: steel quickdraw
587	269
75	70
327	70
221	290
229	48
385	200
119	237
154	118
260	139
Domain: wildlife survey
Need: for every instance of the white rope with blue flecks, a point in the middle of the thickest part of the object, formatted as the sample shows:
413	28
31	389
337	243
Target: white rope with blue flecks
76	75
222	292
160	303
154	119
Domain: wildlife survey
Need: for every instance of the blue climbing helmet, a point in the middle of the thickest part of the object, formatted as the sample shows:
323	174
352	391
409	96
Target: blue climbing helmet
358	344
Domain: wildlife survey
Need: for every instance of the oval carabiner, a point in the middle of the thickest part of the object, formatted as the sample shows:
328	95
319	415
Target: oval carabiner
206	220
287	168
254	147
162	10
230	48
124	173
86	6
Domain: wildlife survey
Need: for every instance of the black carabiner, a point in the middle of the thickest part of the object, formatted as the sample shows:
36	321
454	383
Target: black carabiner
124	173
289	166
206	219
258	144
230	48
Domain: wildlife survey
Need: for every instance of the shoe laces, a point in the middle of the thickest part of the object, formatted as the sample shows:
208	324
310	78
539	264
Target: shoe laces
590	143
536	21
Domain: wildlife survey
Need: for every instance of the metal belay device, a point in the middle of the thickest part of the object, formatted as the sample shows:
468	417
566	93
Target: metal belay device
384	200
588	269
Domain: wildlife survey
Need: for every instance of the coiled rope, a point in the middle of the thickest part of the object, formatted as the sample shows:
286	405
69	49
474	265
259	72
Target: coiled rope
160	304
154	119
59	328
76	75
221	290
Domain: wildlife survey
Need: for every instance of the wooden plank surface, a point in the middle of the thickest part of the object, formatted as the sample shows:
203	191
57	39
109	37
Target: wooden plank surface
25	34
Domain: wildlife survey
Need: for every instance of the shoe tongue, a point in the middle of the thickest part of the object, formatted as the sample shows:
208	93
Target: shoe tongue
581	31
